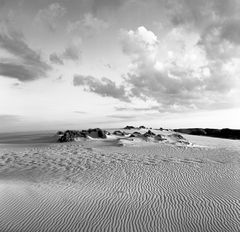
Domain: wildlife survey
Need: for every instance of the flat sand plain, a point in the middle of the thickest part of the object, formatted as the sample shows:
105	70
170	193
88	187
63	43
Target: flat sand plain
100	186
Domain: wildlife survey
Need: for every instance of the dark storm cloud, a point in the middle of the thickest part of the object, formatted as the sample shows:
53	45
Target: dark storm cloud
27	64
103	87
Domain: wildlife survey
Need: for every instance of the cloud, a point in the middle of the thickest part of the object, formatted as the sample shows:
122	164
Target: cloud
79	112
208	17
20	72
56	59
181	77
107	4
231	31
87	26
140	43
2	3
26	64
200	13
122	116
109	66
50	15
103	87
72	52
152	108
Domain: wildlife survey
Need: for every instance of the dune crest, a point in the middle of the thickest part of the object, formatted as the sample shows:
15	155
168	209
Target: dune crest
128	136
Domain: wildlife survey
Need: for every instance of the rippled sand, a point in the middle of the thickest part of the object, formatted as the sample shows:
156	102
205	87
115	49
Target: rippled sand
95	186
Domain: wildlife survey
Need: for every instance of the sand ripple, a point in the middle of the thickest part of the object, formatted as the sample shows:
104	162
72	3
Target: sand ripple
73	187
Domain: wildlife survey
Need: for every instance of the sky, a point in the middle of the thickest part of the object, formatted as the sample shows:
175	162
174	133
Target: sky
73	64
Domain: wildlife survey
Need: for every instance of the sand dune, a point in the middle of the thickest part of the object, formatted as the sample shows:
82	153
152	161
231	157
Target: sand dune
95	185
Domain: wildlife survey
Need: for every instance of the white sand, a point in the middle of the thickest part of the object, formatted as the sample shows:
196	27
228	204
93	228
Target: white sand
94	186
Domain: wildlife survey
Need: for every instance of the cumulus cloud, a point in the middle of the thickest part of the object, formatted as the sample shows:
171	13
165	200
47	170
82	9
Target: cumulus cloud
104	87
25	64
87	26
176	70
50	15
140	45
184	77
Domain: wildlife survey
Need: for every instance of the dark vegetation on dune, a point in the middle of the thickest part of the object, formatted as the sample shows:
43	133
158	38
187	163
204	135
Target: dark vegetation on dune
72	135
219	133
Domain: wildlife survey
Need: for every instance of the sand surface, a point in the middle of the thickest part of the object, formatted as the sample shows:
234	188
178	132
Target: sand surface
99	186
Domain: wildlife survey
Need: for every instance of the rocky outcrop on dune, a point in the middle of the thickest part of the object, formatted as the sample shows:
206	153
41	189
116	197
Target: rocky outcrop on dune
135	134
150	136
142	127
119	133
149	133
219	133
97	133
72	135
129	127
